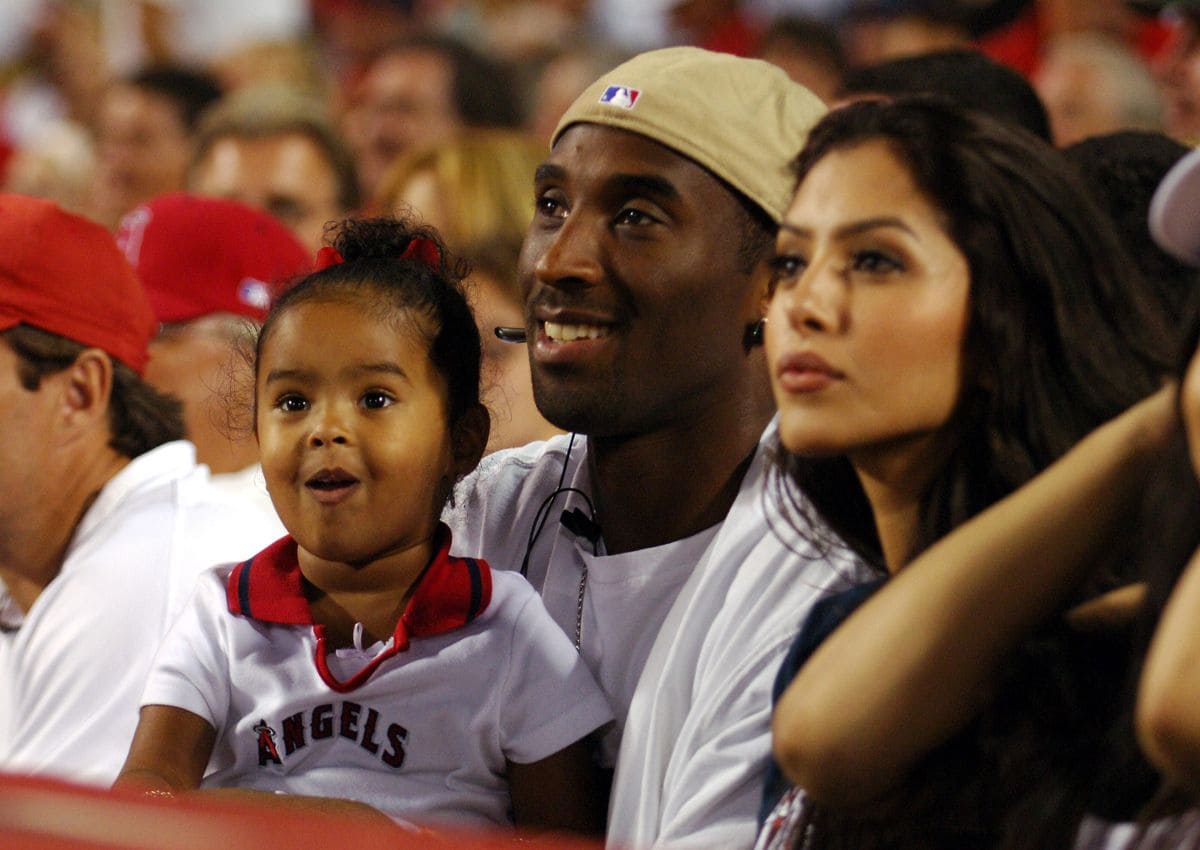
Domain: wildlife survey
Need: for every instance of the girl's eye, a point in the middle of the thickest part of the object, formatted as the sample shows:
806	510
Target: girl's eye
376	399
292	403
874	262
785	268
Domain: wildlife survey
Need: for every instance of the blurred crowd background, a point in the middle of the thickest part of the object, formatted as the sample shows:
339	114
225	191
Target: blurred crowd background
312	109
105	103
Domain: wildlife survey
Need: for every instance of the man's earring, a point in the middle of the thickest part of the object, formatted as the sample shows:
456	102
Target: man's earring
754	334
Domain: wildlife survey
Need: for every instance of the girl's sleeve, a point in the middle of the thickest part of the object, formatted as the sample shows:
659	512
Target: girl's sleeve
191	668
551	700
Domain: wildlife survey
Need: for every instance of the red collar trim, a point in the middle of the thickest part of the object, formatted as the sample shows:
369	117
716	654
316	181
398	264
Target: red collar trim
449	594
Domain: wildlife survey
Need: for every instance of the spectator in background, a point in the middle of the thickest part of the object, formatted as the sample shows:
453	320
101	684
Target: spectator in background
350	33
1122	172
211	268
1178	68
59	165
1092	84
471	188
195	32
420	91
106	519
145	129
516	31
296	64
882	30
562	77
720	25
810	51
475	190
966	77
276	149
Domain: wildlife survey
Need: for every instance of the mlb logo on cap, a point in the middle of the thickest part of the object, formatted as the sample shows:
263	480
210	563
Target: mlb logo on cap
622	96
255	293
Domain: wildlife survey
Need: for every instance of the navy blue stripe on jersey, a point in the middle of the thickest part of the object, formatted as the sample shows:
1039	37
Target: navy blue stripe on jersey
244	587
476	589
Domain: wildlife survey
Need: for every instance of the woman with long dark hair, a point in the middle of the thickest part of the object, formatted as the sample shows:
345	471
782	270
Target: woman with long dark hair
949	315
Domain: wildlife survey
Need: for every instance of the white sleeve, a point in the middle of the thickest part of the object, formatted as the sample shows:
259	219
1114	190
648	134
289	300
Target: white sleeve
191	669
550	698
714	789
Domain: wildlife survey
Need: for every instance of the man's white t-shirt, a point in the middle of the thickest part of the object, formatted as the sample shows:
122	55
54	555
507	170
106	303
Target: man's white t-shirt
699	632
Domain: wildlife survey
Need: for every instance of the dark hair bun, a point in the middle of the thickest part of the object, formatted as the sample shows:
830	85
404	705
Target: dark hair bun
368	239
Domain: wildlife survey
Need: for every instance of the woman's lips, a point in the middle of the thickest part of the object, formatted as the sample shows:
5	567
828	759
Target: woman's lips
805	373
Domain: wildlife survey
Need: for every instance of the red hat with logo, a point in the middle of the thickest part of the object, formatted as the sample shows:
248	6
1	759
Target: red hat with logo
197	256
64	274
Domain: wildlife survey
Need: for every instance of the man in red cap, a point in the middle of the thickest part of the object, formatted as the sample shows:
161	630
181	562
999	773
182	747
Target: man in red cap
210	268
106	518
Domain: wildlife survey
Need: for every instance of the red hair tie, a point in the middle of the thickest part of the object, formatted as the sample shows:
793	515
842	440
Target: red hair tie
423	250
327	257
419	248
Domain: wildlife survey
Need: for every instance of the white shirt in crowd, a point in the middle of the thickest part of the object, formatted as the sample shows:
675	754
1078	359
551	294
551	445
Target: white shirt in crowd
685	638
72	670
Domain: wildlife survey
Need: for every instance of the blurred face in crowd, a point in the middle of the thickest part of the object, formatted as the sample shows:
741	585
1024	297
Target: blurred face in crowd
805	67
196	362
26	421
1179	75
407	102
143	149
286	175
1079	100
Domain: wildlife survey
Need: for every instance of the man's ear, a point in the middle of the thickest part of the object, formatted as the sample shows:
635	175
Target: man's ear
85	388
470	439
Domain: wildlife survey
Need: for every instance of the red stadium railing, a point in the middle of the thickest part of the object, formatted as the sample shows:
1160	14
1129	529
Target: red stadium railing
40	814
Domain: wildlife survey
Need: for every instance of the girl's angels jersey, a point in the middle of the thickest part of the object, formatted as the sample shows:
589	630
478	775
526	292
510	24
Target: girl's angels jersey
419	727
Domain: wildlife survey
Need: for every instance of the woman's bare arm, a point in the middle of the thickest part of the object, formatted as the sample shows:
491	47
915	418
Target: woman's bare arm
1168	707
912	665
1168	722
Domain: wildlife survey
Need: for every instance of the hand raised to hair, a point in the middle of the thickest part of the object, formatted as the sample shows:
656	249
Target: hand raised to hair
1189	408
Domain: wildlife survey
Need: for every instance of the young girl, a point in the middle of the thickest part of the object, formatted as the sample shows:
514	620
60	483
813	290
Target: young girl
355	657
949	316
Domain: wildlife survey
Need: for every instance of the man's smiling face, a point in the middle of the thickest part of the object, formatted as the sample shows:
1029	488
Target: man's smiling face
636	297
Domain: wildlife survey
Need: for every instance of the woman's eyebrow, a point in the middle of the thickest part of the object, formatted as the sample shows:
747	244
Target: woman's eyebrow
855	227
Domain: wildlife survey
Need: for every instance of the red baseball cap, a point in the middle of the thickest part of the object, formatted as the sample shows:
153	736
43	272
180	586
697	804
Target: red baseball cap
197	256
64	274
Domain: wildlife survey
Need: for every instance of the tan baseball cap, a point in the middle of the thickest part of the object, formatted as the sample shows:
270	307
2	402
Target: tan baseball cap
742	119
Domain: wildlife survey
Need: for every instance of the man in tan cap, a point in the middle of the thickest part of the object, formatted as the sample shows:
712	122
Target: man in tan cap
105	517
647	530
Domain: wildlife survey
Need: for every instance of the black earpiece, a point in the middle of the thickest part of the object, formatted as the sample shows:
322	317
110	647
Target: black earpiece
508	334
